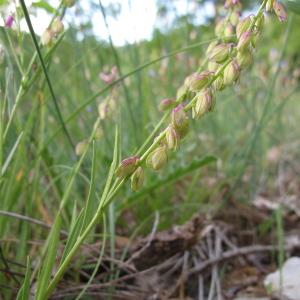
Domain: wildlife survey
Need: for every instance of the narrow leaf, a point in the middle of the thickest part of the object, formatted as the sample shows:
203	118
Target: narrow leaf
73	235
46	271
24	291
11	154
44	5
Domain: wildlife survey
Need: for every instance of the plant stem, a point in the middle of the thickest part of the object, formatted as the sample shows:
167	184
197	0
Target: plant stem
25	11
118	184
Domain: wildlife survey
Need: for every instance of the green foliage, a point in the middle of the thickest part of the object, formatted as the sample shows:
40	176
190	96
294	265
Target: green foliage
44	5
43	179
293	5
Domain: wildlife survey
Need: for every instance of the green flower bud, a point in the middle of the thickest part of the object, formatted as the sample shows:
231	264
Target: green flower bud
218	84
158	158
245	40
57	26
220	52
243	26
211	46
279	11
204	104
233	4
182	92
137	179
98	132
244	59
212	66
47	37
127	166
103	110
172	138
81	147
180	120
269	5
69	3
166	104
234	18
231	72
228	34
219	29
197	81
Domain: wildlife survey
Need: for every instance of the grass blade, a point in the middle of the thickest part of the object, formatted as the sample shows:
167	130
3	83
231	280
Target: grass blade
93	222
11	154
49	261
28	21
98	261
24	291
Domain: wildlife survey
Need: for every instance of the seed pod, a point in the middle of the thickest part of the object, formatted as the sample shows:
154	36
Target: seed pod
127	166
212	66
244	59
234	18
103	109
243	26
218	84
158	158
211	46
197	81
80	147
172	138
180	120
137	179
57	26
231	3
47	37
179	116
231	72
165	104
220	52
279	11
205	103
269	5
228	35
219	30
244	40
182	92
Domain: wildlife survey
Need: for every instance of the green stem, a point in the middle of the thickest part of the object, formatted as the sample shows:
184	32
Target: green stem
118	184
28	21
24	86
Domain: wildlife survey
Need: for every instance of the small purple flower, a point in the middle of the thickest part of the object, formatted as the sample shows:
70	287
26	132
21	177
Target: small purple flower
9	21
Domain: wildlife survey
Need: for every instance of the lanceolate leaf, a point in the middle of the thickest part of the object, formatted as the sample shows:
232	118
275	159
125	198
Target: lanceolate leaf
24	291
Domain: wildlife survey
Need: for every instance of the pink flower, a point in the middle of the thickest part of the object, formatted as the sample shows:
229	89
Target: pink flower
109	77
9	21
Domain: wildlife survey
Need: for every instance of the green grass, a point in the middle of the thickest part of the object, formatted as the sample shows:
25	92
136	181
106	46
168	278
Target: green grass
49	99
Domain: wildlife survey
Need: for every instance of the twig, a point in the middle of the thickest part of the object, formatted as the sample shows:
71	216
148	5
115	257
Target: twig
238	252
28	219
154	229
